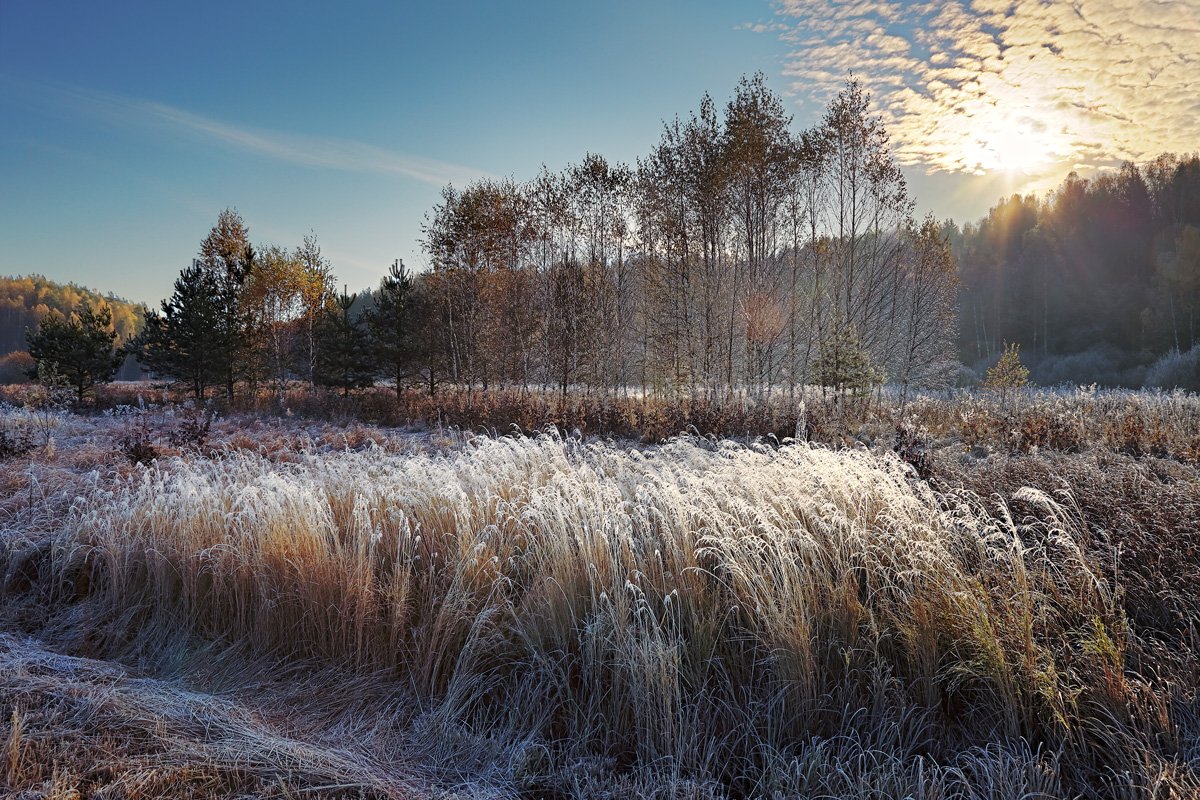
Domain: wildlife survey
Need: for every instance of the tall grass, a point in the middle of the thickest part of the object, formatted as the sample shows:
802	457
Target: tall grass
709	617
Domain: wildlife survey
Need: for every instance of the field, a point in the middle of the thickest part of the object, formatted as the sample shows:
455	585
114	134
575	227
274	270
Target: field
953	597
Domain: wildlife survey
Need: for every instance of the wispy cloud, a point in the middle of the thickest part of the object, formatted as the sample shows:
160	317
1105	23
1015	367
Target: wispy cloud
1085	83
305	150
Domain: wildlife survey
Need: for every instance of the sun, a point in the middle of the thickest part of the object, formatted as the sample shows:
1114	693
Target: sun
1015	151
1017	147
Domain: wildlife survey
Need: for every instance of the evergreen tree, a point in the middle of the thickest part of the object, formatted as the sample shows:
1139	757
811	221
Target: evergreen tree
184	341
390	324
343	355
1009	373
843	364
81	348
430	346
227	255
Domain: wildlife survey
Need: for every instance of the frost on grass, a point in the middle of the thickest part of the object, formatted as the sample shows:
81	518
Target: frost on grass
703	618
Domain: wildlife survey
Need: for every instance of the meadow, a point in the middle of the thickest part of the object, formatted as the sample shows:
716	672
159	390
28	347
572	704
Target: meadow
508	594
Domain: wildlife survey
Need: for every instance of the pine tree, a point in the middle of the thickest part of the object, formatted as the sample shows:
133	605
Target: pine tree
343	357
843	364
184	341
81	348
227	255
1009	373
390	324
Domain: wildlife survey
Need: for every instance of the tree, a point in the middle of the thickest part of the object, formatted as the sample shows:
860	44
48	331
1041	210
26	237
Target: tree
470	236
704	150
81	348
1177	285
227	255
343	356
843	364
926	309
315	287
868	212
759	155
390	324
1009	373
429	326
183	341
275	304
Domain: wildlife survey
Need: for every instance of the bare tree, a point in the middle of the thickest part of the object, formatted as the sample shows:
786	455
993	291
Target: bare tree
866	213
759	154
927	311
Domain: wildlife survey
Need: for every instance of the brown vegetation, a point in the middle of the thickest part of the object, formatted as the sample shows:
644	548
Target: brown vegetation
958	598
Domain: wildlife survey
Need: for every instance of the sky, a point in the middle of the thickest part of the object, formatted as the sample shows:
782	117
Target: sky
126	127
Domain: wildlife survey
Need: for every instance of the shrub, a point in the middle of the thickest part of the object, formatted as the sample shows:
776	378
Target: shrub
137	441
1008	374
192	429
1176	370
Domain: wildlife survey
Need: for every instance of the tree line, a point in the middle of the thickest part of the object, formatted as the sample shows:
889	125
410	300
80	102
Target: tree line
739	254
1099	280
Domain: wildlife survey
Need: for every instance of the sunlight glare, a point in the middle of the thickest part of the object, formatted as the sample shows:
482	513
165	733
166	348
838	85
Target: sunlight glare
1015	147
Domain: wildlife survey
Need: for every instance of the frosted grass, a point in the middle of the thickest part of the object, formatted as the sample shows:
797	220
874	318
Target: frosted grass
700	611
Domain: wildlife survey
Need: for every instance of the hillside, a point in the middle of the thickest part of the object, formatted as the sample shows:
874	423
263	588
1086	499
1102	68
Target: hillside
26	300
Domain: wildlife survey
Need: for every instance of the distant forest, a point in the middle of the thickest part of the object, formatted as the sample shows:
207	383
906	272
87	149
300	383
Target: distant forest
1099	281
26	301
737	254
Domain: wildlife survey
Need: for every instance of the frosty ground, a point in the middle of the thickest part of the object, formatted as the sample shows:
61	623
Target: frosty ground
956	598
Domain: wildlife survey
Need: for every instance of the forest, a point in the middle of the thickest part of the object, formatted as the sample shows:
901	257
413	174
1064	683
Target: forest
1099	281
25	301
739	254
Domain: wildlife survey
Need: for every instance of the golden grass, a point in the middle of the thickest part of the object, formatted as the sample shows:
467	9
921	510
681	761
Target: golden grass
702	618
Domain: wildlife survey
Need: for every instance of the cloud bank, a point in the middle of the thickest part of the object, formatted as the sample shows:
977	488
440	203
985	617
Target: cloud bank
975	86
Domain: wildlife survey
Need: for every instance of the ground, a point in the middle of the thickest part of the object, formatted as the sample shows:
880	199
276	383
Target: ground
949	595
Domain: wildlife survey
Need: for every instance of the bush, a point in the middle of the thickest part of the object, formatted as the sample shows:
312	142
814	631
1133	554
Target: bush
1176	370
15	367
137	442
193	429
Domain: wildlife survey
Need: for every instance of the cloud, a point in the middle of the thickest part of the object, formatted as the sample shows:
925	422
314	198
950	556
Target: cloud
975	86
310	151
316	151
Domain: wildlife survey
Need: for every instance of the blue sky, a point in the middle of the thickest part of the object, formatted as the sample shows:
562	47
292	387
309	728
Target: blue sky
102	188
128	126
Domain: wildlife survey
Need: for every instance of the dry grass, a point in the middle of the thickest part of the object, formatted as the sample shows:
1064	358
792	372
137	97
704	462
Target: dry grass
1139	423
557	618
81	728
334	606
